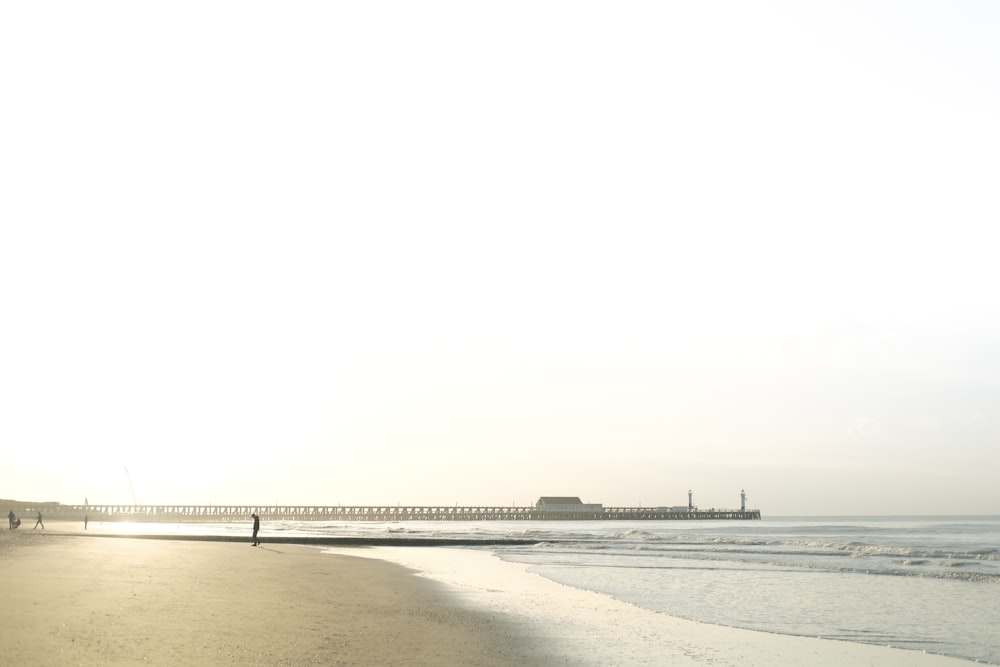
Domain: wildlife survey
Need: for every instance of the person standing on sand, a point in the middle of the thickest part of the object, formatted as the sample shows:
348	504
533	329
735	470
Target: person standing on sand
85	522
39	522
256	527
10	518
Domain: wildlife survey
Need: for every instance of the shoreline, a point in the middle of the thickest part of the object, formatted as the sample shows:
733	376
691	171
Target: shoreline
596	629
195	599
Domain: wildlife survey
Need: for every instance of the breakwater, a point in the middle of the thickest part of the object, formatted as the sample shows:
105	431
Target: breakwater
325	540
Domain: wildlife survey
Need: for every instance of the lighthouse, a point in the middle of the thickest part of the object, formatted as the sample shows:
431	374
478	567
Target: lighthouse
743	500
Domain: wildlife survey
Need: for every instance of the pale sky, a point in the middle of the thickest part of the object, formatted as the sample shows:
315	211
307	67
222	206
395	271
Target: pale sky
475	253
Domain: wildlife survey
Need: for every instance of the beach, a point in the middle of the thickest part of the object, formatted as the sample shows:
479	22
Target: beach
73	598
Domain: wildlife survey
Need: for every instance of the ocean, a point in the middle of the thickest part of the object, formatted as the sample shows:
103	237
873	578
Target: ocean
922	583
929	584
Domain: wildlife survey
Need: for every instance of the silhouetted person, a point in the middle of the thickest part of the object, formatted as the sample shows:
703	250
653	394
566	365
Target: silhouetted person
85	522
39	522
256	527
10	518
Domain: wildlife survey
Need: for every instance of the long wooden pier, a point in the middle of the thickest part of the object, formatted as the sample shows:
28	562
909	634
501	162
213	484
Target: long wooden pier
389	513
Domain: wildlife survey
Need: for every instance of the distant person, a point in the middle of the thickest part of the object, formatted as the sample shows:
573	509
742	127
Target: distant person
39	522
85	522
256	527
10	519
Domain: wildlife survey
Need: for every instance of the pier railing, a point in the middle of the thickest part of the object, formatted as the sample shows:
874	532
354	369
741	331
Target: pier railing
391	513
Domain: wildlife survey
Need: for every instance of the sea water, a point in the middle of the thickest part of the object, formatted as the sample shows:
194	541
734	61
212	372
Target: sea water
923	583
930	584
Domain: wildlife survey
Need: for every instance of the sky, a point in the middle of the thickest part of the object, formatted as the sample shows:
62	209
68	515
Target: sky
438	253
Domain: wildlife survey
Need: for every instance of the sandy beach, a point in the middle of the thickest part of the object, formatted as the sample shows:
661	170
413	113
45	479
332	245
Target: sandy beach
76	599
72	598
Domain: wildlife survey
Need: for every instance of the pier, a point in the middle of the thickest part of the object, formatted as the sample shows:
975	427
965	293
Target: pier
387	513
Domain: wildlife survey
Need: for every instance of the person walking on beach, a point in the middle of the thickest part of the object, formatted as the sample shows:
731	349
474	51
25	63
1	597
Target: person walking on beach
256	527
85	522
39	522
10	518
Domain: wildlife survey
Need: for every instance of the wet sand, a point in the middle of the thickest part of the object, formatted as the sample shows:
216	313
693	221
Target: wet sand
72	598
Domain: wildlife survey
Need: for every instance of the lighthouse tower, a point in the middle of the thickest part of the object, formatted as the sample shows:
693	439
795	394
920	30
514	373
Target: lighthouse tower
743	500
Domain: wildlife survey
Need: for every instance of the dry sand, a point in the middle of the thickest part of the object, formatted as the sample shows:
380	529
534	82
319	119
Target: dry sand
72	598
76	599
